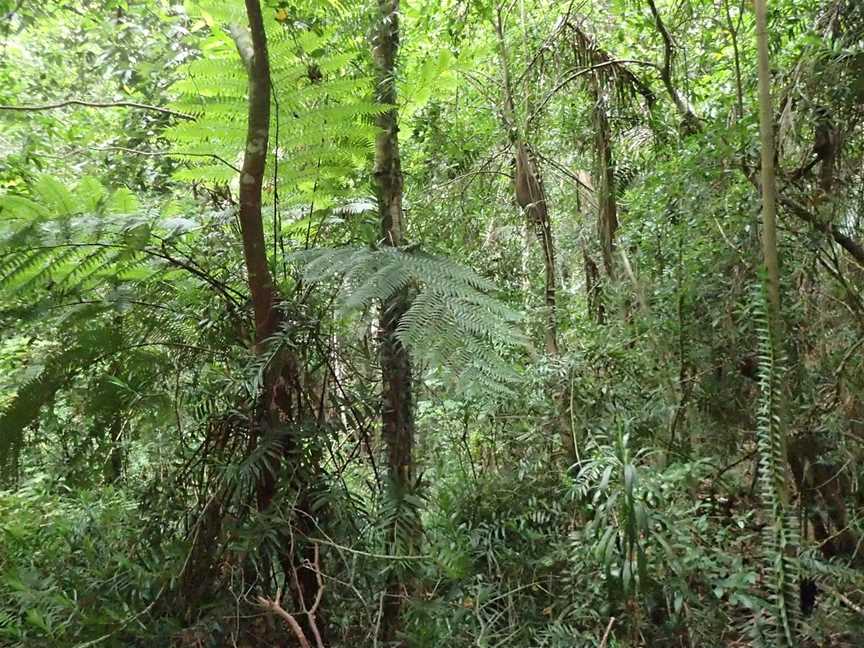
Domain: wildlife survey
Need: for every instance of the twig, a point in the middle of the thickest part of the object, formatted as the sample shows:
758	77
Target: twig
310	612
737	462
582	72
845	600
681	103
378	621
123	149
274	607
853	247
849	354
370	555
125	623
606	634
96	104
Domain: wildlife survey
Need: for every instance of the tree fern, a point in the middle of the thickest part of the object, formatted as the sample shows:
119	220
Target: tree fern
780	536
73	259
452	321
322	129
57	371
68	239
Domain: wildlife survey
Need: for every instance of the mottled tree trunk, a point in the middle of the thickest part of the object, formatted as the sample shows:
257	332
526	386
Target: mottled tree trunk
252	46
397	413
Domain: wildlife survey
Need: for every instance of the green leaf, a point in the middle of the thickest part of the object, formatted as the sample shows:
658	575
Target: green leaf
123	201
35	618
91	193
21	208
55	196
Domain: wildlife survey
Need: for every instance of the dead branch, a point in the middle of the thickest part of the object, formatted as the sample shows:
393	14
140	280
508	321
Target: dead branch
691	122
273	606
97	104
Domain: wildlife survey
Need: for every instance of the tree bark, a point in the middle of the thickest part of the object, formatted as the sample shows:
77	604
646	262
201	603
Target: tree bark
252	46
530	194
397	412
531	197
593	289
769	231
281	394
607	206
769	179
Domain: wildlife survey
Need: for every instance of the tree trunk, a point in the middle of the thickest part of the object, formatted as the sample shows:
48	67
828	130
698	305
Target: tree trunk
775	481
824	489
769	180
397	413
607	206
252	46
593	289
114	466
689	122
530	195
282	390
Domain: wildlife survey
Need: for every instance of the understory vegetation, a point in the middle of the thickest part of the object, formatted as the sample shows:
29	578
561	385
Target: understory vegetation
524	323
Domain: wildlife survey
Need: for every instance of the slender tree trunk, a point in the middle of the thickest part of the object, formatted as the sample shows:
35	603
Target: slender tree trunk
530	194
531	197
776	480
689	122
281	393
769	195
769	180
114	467
593	288
397	412
607	205
252	46
733	30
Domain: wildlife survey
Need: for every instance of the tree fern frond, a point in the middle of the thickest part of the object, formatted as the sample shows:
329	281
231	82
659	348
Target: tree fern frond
452	321
21	208
55	196
31	397
326	137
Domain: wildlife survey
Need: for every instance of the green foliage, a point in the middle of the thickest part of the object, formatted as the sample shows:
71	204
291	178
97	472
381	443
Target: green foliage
91	269
134	423
452	322
59	369
321	128
781	541
74	568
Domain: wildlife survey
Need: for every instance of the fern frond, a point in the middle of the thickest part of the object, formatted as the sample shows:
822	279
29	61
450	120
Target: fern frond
31	397
452	321
780	535
325	135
